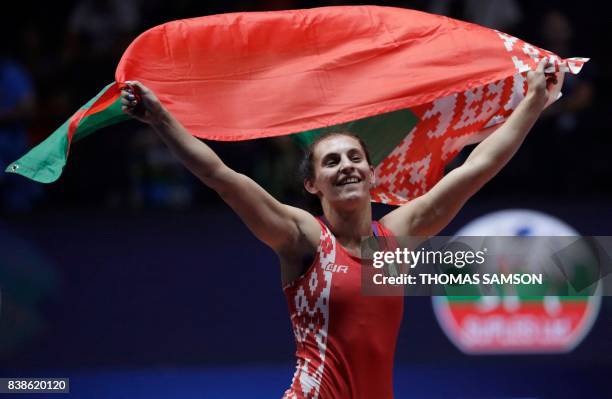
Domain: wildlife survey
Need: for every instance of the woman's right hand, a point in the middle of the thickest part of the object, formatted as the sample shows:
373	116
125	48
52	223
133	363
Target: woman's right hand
141	103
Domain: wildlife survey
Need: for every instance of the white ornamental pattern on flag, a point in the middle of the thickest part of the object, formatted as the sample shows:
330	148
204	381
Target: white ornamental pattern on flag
448	124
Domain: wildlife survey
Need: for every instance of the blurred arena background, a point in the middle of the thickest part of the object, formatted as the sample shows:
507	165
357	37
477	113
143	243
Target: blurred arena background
134	280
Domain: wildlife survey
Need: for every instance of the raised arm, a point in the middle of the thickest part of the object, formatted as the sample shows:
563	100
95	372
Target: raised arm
280	226
428	214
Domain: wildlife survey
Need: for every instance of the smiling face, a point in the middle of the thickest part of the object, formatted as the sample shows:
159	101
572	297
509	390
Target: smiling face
342	174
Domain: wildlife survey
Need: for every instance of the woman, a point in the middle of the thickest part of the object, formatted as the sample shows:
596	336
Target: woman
345	341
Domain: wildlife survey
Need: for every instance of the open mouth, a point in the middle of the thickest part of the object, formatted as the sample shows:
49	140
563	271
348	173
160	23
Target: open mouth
348	180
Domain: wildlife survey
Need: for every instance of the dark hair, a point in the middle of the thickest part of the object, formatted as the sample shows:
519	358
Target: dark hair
307	165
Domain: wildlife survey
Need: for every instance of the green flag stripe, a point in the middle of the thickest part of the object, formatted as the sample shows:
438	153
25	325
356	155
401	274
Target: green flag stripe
45	162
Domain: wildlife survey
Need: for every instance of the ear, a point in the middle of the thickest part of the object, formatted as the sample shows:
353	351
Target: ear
310	187
372	177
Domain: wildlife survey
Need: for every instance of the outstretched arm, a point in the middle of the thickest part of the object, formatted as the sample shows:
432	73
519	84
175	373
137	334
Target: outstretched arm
278	225
428	214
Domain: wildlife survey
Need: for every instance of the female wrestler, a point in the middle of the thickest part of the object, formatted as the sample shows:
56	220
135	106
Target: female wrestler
345	340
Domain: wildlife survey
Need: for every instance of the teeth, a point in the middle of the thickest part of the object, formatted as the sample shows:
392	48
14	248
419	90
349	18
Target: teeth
350	180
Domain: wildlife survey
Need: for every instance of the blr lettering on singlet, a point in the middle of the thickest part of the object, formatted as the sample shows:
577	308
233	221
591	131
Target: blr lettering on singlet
336	268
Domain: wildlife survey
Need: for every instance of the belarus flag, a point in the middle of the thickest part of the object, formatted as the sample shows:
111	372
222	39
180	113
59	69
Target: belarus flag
417	87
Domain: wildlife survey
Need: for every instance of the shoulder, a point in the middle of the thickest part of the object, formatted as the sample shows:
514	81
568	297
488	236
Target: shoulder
412	218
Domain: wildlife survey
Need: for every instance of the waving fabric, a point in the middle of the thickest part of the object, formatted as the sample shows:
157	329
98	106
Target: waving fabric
417	87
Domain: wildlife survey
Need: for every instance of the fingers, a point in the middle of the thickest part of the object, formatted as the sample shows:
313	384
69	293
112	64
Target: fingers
135	83
550	77
140	102
129	100
542	65
551	80
128	109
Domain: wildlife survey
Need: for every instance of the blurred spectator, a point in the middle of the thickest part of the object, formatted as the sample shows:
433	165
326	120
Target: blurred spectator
157	178
557	36
566	121
99	28
16	109
503	15
276	168
98	32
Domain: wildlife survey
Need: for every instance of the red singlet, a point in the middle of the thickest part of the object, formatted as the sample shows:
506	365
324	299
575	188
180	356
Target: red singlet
345	341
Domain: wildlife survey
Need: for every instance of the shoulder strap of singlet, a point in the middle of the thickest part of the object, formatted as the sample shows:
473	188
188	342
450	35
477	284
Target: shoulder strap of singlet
323	222
384	237
376	229
380	230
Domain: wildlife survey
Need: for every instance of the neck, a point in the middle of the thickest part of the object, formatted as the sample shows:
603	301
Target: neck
349	226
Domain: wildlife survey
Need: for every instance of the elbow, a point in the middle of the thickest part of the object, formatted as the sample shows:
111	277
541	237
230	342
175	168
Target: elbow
209	172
